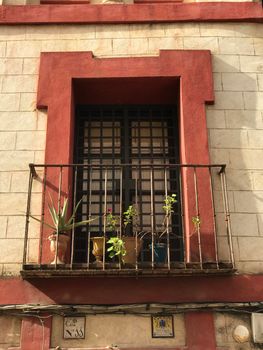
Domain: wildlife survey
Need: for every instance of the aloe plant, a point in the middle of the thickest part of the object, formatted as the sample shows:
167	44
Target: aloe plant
61	223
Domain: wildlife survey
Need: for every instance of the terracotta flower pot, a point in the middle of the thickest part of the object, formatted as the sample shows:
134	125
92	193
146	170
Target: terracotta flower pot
130	246
62	247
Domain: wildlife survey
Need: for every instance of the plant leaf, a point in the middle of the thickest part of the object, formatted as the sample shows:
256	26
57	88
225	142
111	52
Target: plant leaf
74	212
80	223
42	222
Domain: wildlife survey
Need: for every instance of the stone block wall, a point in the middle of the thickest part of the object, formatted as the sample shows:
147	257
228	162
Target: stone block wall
235	121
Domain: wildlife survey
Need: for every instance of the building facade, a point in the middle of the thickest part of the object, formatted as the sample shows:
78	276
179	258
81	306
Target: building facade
147	117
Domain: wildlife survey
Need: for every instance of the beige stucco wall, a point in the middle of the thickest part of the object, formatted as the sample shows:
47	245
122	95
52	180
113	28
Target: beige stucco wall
135	331
118	330
225	324
234	122
132	331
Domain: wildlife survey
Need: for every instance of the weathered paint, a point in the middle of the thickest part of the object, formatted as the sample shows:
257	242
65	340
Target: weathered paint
133	13
95	290
200	331
35	334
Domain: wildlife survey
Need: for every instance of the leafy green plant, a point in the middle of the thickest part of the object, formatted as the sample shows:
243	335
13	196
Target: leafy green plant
111	221
169	202
128	215
117	248
197	222
61	222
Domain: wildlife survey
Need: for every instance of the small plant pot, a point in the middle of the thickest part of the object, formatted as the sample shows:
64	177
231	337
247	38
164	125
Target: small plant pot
62	247
130	246
97	251
160	252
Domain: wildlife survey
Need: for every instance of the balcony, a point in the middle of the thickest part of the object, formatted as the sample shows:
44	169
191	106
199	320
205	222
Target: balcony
128	204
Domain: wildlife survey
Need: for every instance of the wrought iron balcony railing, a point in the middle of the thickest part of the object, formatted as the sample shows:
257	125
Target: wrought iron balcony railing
146	219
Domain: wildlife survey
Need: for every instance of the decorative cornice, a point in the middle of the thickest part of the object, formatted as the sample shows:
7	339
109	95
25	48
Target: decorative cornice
132	13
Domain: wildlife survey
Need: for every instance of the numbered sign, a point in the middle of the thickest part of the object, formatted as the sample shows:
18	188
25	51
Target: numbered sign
74	327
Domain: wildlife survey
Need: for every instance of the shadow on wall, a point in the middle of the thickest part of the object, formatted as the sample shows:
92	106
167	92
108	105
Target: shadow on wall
236	138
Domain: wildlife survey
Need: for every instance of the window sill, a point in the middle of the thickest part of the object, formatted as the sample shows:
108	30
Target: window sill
157	1
78	270
64	2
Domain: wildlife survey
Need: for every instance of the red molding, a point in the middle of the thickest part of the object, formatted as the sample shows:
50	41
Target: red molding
58	70
156	1
200	331
63	2
132	13
243	288
34	334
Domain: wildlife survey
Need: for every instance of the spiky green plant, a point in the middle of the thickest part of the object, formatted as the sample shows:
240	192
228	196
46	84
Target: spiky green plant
61	222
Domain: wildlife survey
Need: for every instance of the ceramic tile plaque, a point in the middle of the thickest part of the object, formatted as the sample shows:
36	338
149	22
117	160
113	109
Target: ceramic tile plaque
162	326
74	328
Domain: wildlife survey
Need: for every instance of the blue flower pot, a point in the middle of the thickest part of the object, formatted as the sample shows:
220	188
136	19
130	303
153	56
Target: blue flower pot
160	252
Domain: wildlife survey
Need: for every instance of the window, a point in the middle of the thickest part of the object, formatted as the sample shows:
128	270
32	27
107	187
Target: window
163	80
137	145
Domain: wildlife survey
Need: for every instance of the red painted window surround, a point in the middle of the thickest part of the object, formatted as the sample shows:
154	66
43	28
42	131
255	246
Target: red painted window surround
132	13
194	71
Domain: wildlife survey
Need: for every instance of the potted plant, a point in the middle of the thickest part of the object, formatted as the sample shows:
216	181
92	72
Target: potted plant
99	241
117	248
132	243
160	248
127	248
61	226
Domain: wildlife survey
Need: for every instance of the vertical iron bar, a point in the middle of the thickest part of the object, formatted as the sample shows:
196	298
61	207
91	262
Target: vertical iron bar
113	196
140	173
43	214
59	212
152	161
227	216
121	199
152	213
136	217
30	182
105	217
198	215
214	214
180	169
167	221
89	168
75	169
